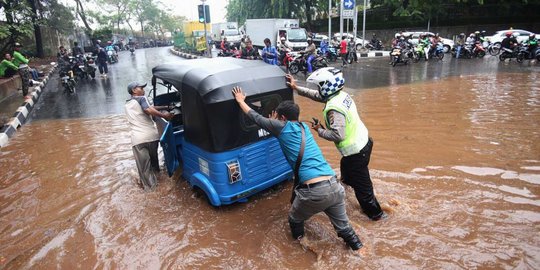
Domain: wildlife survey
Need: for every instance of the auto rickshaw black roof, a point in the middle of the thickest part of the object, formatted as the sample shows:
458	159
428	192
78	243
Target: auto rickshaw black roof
213	79
212	119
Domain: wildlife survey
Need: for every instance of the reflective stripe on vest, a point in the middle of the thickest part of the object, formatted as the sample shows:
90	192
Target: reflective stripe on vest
356	133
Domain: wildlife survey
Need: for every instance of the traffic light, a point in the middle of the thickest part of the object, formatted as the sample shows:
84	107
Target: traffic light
204	10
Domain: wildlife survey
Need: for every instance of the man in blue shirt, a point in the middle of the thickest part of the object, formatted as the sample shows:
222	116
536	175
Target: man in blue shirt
269	53
318	189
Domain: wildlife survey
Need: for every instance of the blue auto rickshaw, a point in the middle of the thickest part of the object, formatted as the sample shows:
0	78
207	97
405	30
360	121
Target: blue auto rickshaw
222	151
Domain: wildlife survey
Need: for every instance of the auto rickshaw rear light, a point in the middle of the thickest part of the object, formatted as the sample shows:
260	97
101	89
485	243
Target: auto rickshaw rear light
234	171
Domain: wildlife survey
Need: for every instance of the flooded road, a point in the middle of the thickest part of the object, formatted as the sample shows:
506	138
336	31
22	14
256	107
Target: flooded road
456	163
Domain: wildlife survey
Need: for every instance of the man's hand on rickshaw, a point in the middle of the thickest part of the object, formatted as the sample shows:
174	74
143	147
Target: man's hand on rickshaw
273	115
291	82
238	94
168	116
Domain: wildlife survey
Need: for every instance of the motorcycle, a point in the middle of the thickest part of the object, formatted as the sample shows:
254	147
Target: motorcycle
132	50
524	54
377	46
397	56
509	53
479	50
300	64
112	57
419	52
330	55
90	66
78	66
493	48
286	57
68	80
438	51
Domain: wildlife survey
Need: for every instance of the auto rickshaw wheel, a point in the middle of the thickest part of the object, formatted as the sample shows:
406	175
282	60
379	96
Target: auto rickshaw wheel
199	193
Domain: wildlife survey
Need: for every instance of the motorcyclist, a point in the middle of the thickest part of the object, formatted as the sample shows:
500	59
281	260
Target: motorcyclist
324	46
76	50
269	53
396	40
374	41
509	42
434	41
249	52
460	42
309	54
532	44
110	48
425	44
225	46
283	49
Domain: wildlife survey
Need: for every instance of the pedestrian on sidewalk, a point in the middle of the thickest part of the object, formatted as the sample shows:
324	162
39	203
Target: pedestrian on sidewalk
348	133
343	51
316	188
7	68
144	134
19	59
102	62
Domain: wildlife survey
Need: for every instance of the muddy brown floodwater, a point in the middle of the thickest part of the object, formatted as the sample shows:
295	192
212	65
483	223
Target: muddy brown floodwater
456	163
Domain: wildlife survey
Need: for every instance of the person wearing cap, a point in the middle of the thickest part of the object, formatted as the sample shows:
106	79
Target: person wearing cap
316	188
144	134
7	68
347	131
102	62
19	59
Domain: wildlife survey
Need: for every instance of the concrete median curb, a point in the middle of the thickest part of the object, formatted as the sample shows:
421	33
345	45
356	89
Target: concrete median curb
22	113
184	55
374	54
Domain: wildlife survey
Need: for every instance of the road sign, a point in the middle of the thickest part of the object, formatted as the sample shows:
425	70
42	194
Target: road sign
348	5
348	14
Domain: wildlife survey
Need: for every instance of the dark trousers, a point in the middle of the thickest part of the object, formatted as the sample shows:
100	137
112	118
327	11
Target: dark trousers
355	173
103	68
344	58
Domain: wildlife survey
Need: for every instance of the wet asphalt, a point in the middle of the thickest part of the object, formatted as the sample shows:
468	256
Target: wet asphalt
106	96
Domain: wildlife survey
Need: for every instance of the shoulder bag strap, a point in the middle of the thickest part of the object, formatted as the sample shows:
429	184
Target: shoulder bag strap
298	162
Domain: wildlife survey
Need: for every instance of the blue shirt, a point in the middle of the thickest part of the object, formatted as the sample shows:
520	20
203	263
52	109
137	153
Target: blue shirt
289	136
269	55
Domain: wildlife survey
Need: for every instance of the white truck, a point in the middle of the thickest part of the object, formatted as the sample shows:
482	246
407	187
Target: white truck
259	29
228	30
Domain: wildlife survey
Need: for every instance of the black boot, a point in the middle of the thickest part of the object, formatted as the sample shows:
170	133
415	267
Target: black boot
352	240
297	229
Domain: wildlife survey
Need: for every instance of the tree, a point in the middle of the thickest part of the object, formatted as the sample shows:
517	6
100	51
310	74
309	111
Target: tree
18	22
82	14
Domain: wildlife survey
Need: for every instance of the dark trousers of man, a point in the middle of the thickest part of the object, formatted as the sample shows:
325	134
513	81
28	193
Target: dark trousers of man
355	173
103	68
146	158
344	59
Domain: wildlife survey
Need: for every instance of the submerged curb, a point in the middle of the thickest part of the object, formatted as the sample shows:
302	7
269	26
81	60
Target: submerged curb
22	113
184	55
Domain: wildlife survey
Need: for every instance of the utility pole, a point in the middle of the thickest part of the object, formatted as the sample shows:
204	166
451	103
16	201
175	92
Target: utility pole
364	27
208	52
329	20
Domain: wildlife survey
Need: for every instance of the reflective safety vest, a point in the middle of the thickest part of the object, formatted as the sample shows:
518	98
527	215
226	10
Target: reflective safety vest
356	133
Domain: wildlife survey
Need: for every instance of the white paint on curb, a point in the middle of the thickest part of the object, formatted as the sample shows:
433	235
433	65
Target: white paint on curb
23	110
3	139
14	122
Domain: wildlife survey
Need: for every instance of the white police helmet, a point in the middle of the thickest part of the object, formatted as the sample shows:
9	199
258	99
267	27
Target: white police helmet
328	80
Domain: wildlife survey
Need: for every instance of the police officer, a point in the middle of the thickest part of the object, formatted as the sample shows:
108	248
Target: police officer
348	133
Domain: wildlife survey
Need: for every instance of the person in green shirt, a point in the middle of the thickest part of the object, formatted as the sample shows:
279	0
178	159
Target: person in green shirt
19	59
7	68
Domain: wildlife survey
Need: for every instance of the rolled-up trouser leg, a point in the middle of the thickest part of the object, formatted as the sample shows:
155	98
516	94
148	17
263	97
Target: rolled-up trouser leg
297	228
142	155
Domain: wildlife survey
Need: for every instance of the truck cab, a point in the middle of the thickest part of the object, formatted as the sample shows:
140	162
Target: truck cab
295	38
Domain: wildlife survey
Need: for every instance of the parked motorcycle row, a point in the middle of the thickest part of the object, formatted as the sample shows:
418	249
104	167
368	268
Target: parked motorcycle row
76	68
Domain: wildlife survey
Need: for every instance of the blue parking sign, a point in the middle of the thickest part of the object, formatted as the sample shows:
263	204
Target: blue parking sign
348	4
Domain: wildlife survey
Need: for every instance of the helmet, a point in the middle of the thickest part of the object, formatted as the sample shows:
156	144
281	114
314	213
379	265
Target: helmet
98	41
477	33
436	34
531	36
397	35
462	34
471	35
309	40
109	42
515	34
282	39
483	32
329	81
508	34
